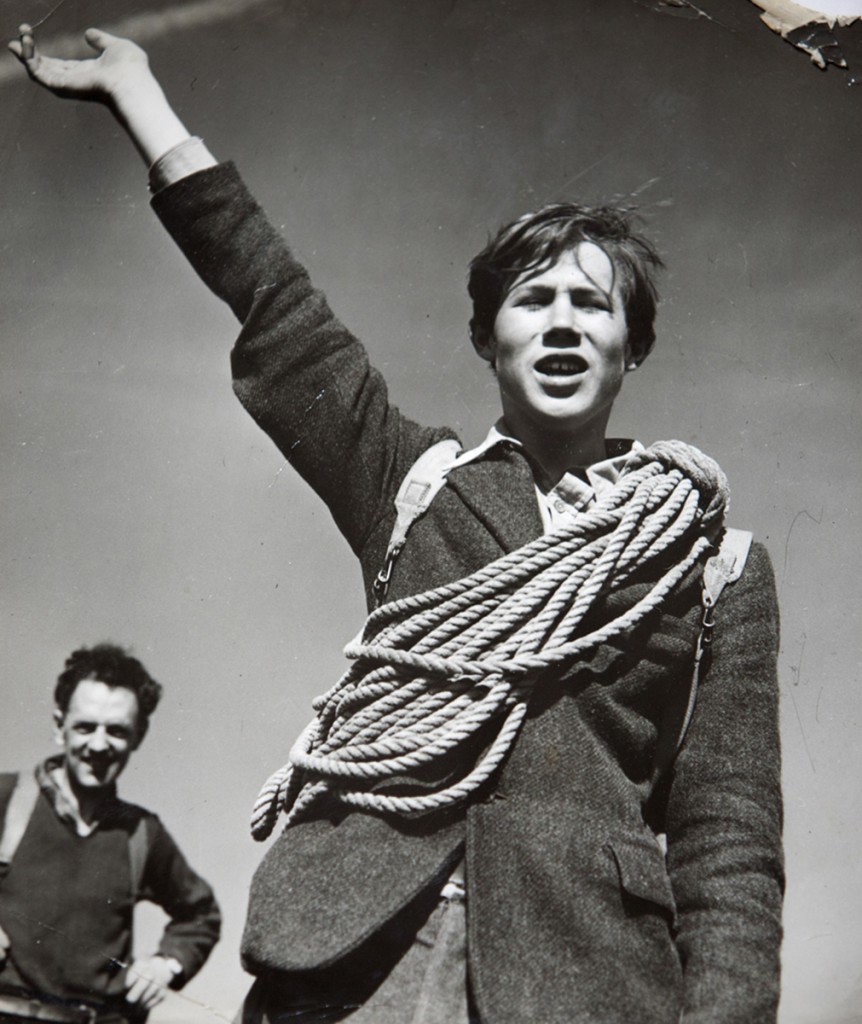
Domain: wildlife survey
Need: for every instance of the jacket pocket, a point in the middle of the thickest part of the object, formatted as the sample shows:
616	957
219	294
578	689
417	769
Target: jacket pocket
642	872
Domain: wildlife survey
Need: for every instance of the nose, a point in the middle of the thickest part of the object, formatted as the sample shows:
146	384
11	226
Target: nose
562	320
98	741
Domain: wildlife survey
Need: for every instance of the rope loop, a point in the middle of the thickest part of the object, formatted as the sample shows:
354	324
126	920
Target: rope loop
433	671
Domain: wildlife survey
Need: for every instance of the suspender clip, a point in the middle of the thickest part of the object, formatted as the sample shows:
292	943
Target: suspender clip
707	622
381	581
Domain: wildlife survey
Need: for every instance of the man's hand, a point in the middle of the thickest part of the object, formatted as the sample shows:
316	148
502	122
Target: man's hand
147	981
119	67
4	947
119	77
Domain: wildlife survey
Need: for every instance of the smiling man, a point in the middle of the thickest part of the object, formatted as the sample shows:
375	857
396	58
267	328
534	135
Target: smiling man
74	860
474	818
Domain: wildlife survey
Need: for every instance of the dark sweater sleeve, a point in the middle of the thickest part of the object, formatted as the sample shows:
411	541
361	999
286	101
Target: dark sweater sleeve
725	816
195	920
297	370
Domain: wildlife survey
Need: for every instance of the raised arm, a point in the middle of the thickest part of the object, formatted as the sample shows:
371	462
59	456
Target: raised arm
119	77
298	371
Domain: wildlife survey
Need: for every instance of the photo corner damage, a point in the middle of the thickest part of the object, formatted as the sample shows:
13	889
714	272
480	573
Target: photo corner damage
828	34
828	37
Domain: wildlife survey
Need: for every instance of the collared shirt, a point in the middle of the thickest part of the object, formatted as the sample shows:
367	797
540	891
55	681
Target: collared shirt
49	777
578	489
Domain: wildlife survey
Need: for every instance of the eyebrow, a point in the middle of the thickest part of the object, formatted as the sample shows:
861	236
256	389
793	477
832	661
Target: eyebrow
543	291
91	724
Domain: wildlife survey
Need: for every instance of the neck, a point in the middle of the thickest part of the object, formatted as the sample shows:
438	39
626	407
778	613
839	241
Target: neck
558	452
86	802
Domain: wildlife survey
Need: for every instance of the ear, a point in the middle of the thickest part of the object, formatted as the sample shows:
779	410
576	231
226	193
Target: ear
632	361
59	718
140	733
483	342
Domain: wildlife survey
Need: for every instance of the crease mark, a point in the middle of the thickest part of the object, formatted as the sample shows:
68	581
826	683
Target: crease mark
802	512
298	441
802	730
675	9
43	19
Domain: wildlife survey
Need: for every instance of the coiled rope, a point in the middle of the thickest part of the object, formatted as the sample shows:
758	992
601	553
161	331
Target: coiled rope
430	670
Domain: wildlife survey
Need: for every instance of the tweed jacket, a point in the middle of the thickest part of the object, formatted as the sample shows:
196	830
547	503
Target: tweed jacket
575	912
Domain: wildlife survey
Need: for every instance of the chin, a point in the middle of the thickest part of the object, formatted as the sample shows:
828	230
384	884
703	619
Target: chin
561	421
89	780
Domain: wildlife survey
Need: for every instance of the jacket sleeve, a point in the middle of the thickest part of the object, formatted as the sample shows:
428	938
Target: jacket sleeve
195	920
725	816
297	370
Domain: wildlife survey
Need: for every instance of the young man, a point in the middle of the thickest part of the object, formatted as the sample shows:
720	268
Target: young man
75	859
473	815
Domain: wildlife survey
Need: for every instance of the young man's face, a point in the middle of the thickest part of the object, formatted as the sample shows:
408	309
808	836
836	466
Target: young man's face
560	345
98	733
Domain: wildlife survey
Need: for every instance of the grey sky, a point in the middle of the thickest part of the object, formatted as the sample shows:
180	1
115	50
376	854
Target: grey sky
388	138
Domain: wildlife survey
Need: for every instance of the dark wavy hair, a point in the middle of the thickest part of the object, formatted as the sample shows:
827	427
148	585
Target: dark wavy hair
113	666
537	240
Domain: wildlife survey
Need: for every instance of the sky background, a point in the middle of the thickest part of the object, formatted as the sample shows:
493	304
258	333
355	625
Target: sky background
388	138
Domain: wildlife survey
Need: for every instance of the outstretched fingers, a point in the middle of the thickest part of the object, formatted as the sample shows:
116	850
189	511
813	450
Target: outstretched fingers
115	72
41	69
100	40
24	47
116	61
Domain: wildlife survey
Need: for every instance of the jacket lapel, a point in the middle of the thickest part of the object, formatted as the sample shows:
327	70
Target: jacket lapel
500	492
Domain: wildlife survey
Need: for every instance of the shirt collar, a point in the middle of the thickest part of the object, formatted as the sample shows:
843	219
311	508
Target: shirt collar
599	474
47	775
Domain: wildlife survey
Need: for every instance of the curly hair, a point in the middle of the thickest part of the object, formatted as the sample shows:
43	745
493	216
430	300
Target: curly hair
113	666
537	240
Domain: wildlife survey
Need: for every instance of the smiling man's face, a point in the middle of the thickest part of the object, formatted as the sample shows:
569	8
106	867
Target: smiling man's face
98	733
560	346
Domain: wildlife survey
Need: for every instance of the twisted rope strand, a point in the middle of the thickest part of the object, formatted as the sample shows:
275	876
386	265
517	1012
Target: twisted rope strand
456	793
431	670
436	743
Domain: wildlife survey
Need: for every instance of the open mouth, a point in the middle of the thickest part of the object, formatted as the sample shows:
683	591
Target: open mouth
561	365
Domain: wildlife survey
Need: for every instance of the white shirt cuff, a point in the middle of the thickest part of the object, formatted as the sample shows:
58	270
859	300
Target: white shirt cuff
187	157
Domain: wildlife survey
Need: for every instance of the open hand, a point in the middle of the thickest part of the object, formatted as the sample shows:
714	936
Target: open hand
102	78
